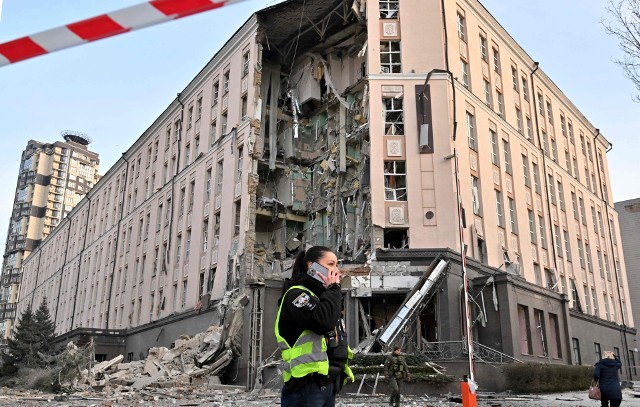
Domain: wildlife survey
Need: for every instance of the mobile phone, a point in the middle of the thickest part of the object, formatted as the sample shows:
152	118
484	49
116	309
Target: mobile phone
315	267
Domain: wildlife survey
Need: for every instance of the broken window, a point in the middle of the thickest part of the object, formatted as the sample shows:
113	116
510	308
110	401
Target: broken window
390	61
389	8
396	238
393	116
395	181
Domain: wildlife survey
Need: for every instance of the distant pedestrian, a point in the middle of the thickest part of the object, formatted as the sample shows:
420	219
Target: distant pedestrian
397	371
606	373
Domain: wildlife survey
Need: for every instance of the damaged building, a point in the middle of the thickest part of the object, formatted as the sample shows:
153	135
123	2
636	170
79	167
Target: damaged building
352	124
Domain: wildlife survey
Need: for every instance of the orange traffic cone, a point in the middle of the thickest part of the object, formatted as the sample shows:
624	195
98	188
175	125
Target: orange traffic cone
468	397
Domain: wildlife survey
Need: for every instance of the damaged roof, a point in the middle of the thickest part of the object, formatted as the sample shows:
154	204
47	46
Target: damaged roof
312	20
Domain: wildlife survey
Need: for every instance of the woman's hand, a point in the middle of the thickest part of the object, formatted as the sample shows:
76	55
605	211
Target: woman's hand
332	277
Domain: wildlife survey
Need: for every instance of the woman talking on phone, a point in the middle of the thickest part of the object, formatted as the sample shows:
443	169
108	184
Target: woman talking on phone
311	333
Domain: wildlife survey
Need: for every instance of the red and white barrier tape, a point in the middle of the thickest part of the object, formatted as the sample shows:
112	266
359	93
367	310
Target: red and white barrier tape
103	26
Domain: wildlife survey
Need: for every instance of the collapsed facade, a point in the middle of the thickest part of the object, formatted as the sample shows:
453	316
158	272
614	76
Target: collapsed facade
334	123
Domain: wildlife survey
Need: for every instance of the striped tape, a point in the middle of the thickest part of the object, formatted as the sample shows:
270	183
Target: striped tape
103	26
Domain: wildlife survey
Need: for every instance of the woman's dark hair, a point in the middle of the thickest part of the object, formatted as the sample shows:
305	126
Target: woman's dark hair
313	254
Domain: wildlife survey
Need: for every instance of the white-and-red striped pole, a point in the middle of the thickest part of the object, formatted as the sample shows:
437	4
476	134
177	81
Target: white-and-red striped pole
465	279
103	26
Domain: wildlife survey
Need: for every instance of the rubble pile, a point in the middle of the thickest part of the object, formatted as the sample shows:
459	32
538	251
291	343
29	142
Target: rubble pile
191	361
190	358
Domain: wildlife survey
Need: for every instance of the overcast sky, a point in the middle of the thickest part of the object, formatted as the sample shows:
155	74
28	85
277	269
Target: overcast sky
113	89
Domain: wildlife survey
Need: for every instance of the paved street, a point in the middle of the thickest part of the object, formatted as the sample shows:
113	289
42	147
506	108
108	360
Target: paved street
238	398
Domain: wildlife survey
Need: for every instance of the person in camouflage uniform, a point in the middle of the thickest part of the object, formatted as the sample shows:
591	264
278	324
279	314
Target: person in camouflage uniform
397	371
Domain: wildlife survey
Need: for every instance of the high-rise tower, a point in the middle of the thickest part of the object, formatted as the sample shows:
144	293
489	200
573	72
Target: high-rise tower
52	179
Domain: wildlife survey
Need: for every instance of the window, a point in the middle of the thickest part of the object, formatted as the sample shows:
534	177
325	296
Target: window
554	150
519	121
594	301
240	164
395	183
178	249
529	129
199	108
567	159
545	143
556	232
219	177
587	249
593	219
575	299
532	226
575	205
571	137
208	184
552	284
507	156
183	194
525	89
487	94
584	153
205	236
475	198
393	116
561	196
549	112
496	60
462	30
215	93
495	156
514	78
600	223
580	253
390	61
576	351
587	300
583	215
540	104
238	207
464	69
213	130
187	248
471	131
499	210
243	107
525	170
223	120
512	216
389	8
245	64
552	190
537	274
543	234
483	48
184	294
536	178
225	81
586	178
500	100
600	265
192	194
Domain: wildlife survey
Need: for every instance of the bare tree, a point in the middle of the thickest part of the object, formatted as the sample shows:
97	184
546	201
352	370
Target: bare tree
624	24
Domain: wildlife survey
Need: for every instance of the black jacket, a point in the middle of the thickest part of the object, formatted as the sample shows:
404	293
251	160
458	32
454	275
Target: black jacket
301	311
607	373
